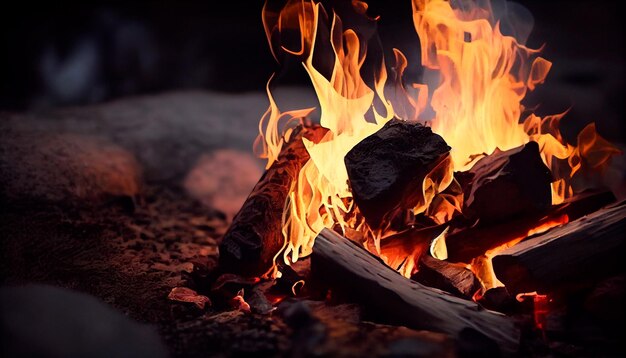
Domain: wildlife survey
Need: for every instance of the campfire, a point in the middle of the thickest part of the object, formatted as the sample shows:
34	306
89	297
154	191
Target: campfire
447	205
416	178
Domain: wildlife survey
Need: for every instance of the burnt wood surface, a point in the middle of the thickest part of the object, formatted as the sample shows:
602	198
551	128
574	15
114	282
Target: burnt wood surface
451	277
466	243
255	236
589	248
387	169
346	267
508	183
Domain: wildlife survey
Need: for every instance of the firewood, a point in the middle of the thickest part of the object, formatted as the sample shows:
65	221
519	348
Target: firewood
290	282
451	277
499	299
346	267
255	235
589	248
258	302
508	183
387	169
464	244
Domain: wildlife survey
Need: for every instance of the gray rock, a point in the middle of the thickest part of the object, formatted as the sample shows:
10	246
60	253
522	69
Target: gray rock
47	321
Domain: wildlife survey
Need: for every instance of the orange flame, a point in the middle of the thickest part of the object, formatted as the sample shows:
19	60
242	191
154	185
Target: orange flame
484	76
321	196
482	267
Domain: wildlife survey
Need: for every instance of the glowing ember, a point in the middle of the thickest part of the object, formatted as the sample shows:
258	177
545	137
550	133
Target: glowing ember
482	267
540	307
483	77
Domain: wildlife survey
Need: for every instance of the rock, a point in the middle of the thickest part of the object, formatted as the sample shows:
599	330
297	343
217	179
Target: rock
67	168
47	321
223	179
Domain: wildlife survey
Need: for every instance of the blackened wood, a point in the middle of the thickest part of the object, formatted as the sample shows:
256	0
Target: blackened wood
258	301
508	183
387	169
290	282
464	244
255	235
499	299
587	248
451	277
345	266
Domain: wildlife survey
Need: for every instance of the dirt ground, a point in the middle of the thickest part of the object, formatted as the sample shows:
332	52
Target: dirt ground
115	201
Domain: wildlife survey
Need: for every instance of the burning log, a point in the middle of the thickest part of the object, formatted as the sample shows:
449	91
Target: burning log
344	266
464	244
507	184
255	235
451	277
387	169
586	249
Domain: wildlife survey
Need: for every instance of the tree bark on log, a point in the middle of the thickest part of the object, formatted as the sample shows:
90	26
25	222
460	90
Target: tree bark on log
255	235
344	266
589	248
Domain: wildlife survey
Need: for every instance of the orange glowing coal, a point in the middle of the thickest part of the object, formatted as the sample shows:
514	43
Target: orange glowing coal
476	107
482	266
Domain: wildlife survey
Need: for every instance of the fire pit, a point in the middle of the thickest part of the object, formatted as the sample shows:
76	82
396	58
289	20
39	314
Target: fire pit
445	217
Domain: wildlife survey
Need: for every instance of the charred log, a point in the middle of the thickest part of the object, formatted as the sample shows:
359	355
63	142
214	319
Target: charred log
508	183
451	277
255	237
387	169
464	244
499	299
585	249
344	266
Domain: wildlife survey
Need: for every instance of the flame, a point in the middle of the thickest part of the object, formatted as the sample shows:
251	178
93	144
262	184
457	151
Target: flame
541	304
477	105
482	266
484	75
321	196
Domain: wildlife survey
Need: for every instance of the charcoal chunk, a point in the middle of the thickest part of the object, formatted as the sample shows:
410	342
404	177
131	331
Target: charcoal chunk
386	169
508	183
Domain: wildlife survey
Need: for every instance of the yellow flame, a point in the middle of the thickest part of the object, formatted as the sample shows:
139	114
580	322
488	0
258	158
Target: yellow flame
484	77
321	196
482	265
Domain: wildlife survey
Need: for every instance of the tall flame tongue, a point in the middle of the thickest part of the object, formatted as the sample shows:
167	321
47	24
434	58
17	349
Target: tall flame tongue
321	196
484	75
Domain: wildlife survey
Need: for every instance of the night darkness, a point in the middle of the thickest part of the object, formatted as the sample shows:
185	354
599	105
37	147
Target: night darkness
74	53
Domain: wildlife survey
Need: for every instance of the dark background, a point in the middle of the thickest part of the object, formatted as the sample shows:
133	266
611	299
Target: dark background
70	53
